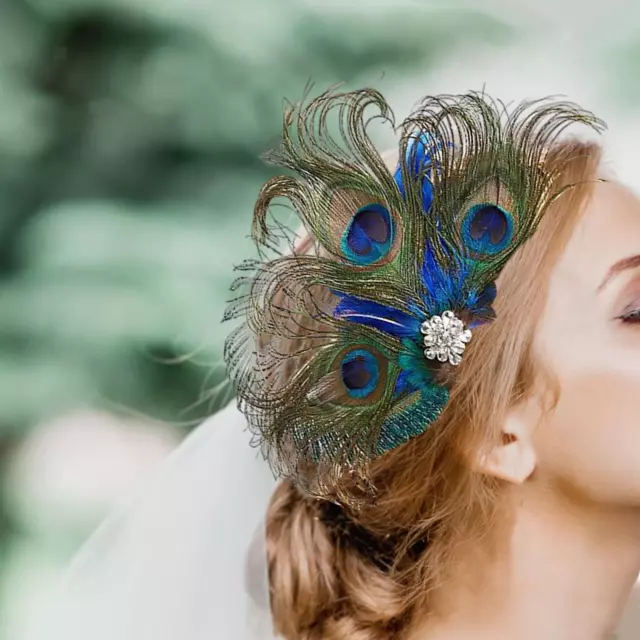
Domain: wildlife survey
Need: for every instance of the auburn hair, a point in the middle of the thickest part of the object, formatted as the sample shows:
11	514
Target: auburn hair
324	586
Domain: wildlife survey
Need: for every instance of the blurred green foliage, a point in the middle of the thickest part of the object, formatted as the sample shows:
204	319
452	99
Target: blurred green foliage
129	146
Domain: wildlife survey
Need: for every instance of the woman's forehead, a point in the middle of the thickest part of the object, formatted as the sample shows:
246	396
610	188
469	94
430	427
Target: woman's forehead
608	231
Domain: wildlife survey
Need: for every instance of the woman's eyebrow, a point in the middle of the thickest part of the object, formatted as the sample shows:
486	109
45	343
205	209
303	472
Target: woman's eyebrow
622	265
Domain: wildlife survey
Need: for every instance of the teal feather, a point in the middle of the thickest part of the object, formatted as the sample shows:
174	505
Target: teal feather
408	423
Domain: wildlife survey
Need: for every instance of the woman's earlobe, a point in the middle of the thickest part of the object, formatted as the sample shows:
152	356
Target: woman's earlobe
513	459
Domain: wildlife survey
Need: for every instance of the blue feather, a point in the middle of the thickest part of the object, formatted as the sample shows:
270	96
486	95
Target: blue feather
417	160
444	288
402	384
481	306
398	324
450	288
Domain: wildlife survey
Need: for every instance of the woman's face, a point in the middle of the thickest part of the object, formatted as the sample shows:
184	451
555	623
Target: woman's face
589	335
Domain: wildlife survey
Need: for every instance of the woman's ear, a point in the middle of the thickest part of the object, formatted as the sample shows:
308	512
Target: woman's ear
513	458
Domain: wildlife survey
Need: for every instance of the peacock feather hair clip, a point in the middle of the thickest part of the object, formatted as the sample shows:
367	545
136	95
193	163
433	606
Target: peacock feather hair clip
340	353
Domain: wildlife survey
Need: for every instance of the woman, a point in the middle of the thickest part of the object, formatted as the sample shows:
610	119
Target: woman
446	382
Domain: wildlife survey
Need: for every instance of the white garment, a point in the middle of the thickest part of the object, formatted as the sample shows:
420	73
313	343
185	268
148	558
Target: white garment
173	565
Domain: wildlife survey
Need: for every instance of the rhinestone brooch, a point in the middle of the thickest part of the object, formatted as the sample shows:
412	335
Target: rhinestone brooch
445	338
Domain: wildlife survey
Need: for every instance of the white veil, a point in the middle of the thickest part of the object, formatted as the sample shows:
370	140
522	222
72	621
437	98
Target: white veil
177	563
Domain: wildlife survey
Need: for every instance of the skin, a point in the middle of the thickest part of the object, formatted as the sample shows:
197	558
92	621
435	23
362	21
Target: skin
574	473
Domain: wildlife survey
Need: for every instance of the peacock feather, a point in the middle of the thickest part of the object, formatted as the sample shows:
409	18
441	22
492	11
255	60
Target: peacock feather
329	362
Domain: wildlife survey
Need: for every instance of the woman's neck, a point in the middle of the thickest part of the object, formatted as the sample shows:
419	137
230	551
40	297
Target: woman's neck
565	575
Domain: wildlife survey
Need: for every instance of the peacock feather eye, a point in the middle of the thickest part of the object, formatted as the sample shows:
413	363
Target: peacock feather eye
360	373
369	236
487	229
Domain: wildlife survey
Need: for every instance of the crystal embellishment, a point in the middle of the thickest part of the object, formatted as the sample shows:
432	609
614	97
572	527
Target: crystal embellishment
445	338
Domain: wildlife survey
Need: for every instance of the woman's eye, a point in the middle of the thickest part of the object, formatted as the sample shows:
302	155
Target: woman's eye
632	317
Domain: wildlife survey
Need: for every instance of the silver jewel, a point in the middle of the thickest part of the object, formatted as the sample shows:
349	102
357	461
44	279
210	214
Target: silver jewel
445	338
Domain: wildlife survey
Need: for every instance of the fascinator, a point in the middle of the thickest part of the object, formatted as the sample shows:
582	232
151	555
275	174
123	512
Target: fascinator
347	353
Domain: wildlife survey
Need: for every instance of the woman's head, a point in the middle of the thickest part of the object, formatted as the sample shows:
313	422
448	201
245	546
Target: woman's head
454	482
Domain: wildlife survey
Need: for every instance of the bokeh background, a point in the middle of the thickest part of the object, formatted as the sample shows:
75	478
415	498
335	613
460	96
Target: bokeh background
130	136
